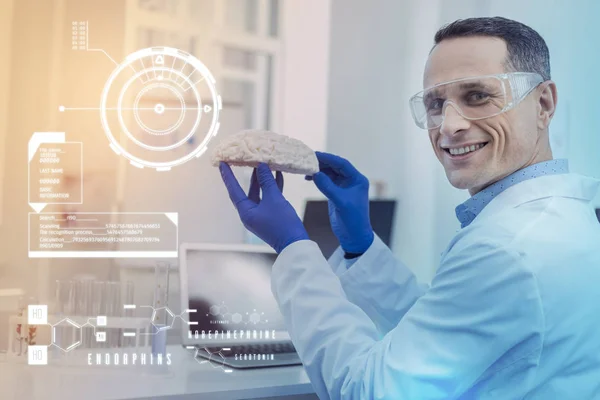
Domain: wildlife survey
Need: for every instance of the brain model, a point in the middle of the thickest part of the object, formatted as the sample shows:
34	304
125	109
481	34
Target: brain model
281	153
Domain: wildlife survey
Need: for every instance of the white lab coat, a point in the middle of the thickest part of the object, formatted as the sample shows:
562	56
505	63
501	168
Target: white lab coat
513	311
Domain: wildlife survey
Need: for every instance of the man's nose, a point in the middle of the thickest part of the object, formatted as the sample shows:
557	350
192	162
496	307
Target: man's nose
452	121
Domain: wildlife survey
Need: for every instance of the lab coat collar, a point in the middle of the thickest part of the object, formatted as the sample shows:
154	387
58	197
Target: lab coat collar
573	186
467	211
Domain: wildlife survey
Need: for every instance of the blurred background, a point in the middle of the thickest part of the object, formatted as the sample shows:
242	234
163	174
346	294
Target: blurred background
336	74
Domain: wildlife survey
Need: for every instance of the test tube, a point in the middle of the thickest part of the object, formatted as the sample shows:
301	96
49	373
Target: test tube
114	306
161	301
67	332
61	303
161	289
128	298
19	339
128	293
61	297
71	300
84	310
98	306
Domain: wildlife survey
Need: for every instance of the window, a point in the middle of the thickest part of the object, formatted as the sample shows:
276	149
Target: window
242	15
239	59
238	40
161	6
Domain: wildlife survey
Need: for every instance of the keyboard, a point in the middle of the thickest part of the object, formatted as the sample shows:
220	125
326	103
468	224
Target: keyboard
276	354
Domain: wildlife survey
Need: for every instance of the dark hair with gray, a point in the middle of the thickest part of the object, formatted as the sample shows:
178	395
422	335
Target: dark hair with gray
527	50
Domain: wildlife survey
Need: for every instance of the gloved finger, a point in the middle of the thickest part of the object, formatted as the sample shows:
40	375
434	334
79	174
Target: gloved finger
254	191
338	175
279	180
308	178
326	186
336	163
236	193
331	173
266	180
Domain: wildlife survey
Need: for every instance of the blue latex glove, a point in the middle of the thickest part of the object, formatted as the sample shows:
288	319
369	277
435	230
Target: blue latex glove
272	218
348	194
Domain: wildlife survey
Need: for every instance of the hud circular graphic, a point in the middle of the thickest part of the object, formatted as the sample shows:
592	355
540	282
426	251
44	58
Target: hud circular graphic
160	108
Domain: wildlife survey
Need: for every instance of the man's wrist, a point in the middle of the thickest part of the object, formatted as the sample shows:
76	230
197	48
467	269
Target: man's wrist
358	251
301	236
350	256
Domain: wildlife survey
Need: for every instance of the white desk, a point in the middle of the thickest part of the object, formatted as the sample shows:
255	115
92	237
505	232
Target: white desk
185	378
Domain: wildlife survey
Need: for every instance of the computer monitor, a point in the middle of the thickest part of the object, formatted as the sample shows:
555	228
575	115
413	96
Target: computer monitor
316	222
228	288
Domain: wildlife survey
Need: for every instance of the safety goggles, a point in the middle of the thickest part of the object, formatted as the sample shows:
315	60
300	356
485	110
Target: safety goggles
473	98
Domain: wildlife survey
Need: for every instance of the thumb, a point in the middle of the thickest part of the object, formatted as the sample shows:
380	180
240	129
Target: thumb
266	180
326	186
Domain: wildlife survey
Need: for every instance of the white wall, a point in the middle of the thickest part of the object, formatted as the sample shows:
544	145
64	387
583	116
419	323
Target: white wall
304	80
378	51
27	91
6	17
571	31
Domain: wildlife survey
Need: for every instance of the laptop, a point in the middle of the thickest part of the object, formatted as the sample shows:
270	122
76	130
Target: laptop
316	222
233	316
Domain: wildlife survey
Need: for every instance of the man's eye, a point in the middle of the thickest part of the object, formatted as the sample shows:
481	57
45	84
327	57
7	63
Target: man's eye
435	105
477	97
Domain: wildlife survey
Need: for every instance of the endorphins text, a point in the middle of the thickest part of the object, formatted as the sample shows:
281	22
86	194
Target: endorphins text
125	359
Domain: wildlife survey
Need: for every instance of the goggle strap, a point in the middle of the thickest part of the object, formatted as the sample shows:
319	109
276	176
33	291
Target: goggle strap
522	84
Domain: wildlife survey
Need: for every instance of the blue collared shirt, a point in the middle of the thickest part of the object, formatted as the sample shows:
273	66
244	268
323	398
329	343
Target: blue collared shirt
470	209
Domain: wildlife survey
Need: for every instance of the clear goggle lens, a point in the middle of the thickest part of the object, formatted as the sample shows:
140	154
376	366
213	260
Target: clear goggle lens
473	98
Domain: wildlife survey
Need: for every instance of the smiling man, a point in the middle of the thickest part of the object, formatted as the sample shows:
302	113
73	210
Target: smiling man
477	132
512	311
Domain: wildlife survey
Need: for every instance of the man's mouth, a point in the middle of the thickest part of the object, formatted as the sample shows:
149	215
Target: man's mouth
463	151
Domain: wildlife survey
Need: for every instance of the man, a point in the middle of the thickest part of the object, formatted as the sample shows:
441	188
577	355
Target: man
513	310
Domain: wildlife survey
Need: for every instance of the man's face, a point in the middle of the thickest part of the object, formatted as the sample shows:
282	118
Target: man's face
511	140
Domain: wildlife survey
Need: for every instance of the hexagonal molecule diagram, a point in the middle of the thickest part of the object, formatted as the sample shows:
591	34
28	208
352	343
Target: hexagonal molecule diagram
222	311
162	318
236	318
66	334
215	358
255	318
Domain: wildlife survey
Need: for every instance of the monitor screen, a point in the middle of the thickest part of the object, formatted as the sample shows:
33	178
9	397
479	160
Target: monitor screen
316	222
231	290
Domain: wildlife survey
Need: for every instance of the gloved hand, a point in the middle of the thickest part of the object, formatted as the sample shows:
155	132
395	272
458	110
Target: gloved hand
348	194
272	218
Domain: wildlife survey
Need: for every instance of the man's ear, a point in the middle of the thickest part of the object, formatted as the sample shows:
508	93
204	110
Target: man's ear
547	104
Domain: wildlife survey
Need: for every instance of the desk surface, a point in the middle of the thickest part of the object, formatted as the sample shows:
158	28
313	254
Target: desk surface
185	378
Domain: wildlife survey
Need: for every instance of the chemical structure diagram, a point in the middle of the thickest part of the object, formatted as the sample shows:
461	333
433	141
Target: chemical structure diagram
166	312
67	332
222	311
215	358
76	335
